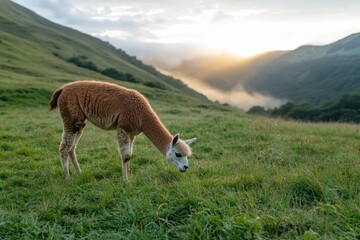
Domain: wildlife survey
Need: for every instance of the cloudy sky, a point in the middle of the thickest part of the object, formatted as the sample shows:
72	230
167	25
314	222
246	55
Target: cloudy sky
166	32
157	29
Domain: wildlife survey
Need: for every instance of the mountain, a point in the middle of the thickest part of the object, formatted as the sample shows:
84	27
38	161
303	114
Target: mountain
312	74
35	51
344	47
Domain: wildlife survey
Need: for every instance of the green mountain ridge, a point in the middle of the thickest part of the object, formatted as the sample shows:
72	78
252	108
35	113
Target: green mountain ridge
33	48
314	74
308	74
346	46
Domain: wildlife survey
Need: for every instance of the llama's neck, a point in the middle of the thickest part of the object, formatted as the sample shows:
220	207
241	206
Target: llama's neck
156	132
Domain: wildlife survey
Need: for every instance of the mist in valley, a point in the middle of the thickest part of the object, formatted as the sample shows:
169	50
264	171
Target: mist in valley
237	96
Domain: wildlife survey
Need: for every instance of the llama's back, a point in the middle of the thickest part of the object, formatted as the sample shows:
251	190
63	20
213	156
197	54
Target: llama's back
104	104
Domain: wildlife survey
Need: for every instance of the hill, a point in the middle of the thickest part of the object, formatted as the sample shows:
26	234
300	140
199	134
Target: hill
314	74
31	44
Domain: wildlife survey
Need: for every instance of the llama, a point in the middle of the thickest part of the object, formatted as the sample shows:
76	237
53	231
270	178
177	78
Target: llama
112	107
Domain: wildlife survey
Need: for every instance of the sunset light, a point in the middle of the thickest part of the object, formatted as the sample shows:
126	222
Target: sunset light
154	31
199	41
247	38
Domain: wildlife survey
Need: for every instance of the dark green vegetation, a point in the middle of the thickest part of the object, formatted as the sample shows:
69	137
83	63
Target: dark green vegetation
346	109
250	177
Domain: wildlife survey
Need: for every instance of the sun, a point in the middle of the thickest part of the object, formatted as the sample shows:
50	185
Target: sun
240	46
241	39
245	40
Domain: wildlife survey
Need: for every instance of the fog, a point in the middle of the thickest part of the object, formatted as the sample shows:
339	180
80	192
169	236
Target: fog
158	56
237	97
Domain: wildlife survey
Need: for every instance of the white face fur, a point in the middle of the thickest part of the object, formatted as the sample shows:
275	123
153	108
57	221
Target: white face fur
176	156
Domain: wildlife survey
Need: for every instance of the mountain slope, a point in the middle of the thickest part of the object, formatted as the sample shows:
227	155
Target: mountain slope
348	46
312	73
32	47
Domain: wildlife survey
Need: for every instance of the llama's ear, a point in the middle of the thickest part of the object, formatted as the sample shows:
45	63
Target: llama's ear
189	141
175	140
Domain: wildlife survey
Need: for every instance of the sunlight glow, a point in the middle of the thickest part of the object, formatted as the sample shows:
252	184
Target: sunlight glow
243	28
248	38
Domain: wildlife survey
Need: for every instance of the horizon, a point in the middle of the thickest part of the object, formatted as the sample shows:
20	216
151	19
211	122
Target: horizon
167	35
153	31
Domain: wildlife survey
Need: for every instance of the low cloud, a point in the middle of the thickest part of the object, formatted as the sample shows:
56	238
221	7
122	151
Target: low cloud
237	97
242	99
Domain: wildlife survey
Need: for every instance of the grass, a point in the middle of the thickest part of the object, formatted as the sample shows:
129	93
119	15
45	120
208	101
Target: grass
250	177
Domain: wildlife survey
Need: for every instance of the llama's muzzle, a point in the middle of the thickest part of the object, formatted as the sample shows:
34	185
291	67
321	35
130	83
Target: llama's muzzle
183	169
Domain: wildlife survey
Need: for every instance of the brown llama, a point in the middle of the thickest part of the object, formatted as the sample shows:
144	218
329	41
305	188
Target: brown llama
112	107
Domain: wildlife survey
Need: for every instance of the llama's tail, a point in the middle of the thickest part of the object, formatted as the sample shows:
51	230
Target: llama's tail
54	99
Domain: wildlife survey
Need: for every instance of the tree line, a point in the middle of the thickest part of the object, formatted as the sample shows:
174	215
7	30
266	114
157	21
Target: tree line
84	62
345	109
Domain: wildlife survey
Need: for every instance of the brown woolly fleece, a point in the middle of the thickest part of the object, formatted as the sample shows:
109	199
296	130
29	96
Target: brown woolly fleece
109	106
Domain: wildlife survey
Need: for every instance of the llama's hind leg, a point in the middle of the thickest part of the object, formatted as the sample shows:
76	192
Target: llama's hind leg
72	153
125	144
68	140
131	151
78	127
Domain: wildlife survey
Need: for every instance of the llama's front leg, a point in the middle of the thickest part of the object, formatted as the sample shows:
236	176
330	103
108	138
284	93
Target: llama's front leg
124	141
68	140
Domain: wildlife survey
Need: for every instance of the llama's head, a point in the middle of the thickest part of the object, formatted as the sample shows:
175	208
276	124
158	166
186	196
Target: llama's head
178	152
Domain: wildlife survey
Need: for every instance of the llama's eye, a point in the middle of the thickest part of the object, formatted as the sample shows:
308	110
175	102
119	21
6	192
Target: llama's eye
178	155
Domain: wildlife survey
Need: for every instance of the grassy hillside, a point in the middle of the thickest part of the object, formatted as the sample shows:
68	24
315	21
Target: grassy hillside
31	44
249	177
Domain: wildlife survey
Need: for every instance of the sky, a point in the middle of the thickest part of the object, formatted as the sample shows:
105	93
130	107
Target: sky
164	33
157	29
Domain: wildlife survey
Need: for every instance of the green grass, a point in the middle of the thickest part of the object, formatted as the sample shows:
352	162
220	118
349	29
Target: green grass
249	177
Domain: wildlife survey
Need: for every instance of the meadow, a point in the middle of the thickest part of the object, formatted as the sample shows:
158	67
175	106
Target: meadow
250	177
